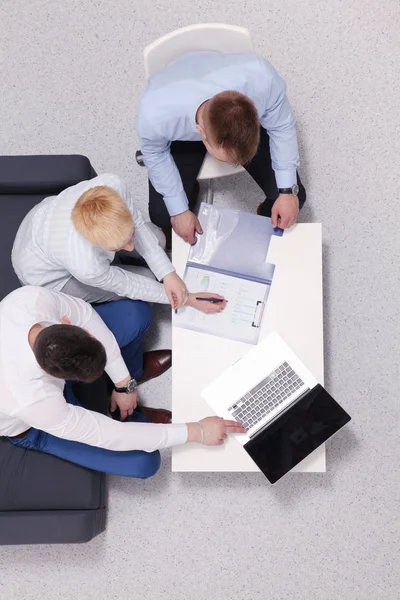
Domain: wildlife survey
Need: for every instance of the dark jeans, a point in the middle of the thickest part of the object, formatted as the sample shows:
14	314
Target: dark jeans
189	156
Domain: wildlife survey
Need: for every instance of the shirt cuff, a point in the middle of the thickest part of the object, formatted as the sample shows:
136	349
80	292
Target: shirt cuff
177	433
286	179
176	204
161	266
117	370
170	269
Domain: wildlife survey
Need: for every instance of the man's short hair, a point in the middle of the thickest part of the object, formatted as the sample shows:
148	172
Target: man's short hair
103	218
70	352
234	125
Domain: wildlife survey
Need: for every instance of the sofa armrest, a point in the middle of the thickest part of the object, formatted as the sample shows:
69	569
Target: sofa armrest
51	526
42	174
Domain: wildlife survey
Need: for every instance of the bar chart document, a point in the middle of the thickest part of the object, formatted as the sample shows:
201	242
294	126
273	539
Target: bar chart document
229	259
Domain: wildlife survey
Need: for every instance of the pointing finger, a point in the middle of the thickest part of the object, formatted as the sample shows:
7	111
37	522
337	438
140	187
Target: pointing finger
229	423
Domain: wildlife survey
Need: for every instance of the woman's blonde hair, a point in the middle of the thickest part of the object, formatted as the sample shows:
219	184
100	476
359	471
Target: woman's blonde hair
103	218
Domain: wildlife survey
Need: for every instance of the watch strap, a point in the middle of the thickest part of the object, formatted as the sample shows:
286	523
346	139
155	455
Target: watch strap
125	388
294	190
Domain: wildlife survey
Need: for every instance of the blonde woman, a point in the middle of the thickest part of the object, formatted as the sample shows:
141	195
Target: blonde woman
67	243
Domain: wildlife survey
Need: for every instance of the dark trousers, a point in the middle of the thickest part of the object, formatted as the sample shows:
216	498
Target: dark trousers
189	156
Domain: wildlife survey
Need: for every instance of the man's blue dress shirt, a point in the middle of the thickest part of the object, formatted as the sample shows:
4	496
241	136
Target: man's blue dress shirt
168	108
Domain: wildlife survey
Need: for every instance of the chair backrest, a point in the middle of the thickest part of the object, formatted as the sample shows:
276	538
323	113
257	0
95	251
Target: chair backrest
195	38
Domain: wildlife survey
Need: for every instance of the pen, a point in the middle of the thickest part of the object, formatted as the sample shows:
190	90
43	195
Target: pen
175	309
213	300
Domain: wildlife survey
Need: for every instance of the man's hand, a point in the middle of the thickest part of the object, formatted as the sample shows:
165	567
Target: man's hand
204	306
185	225
176	290
125	402
285	211
213	431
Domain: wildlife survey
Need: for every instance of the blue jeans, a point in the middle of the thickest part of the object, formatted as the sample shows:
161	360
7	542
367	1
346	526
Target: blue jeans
128	320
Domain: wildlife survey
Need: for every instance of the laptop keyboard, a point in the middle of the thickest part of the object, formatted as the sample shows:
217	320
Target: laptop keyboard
251	408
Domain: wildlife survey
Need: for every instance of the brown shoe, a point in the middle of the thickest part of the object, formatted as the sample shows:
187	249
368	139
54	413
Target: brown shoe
155	363
156	415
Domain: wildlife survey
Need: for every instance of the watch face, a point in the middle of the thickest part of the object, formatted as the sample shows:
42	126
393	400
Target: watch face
132	385
295	190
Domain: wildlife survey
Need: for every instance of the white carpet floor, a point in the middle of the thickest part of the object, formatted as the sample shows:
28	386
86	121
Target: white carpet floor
71	75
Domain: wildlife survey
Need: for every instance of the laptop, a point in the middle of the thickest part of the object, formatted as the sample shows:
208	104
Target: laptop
286	412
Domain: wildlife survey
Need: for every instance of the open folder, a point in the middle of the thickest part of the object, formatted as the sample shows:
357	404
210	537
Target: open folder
230	259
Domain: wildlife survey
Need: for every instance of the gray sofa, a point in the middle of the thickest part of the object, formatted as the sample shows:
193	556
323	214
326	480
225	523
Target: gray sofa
43	499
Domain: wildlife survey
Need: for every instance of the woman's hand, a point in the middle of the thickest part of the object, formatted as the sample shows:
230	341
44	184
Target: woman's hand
213	431
176	290
206	306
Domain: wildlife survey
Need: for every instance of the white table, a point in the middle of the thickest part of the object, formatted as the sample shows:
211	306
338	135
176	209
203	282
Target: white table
294	310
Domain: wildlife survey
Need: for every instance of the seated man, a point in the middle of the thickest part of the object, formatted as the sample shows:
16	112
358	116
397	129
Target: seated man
68	242
48	339
234	106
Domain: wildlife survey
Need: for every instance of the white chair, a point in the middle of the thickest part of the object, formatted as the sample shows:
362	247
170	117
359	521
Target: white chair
195	38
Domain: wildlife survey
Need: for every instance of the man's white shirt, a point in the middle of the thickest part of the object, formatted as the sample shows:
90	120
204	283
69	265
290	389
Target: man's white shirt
29	397
48	250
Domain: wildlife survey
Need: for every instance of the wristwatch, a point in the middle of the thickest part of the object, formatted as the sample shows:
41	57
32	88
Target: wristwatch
294	190
129	388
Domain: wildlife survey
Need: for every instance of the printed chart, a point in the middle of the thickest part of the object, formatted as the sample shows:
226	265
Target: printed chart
236	320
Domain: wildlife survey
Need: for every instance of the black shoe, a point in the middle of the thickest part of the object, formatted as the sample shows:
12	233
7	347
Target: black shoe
195	194
139	158
264	209
167	231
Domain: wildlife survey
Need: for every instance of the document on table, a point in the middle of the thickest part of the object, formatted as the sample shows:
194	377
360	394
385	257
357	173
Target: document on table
241	316
229	259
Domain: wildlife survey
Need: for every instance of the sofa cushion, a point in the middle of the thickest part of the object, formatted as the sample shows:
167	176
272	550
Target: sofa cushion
12	210
42	174
36	481
33	480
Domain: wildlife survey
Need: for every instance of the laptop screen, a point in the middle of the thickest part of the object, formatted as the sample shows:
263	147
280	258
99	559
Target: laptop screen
307	424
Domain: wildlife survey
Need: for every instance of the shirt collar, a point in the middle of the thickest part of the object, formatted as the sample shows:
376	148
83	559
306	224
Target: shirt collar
194	110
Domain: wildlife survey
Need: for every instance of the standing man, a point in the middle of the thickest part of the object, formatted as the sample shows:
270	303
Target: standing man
235	107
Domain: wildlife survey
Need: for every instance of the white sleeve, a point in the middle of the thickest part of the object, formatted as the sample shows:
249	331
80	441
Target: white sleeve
115	368
97	272
56	417
145	241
